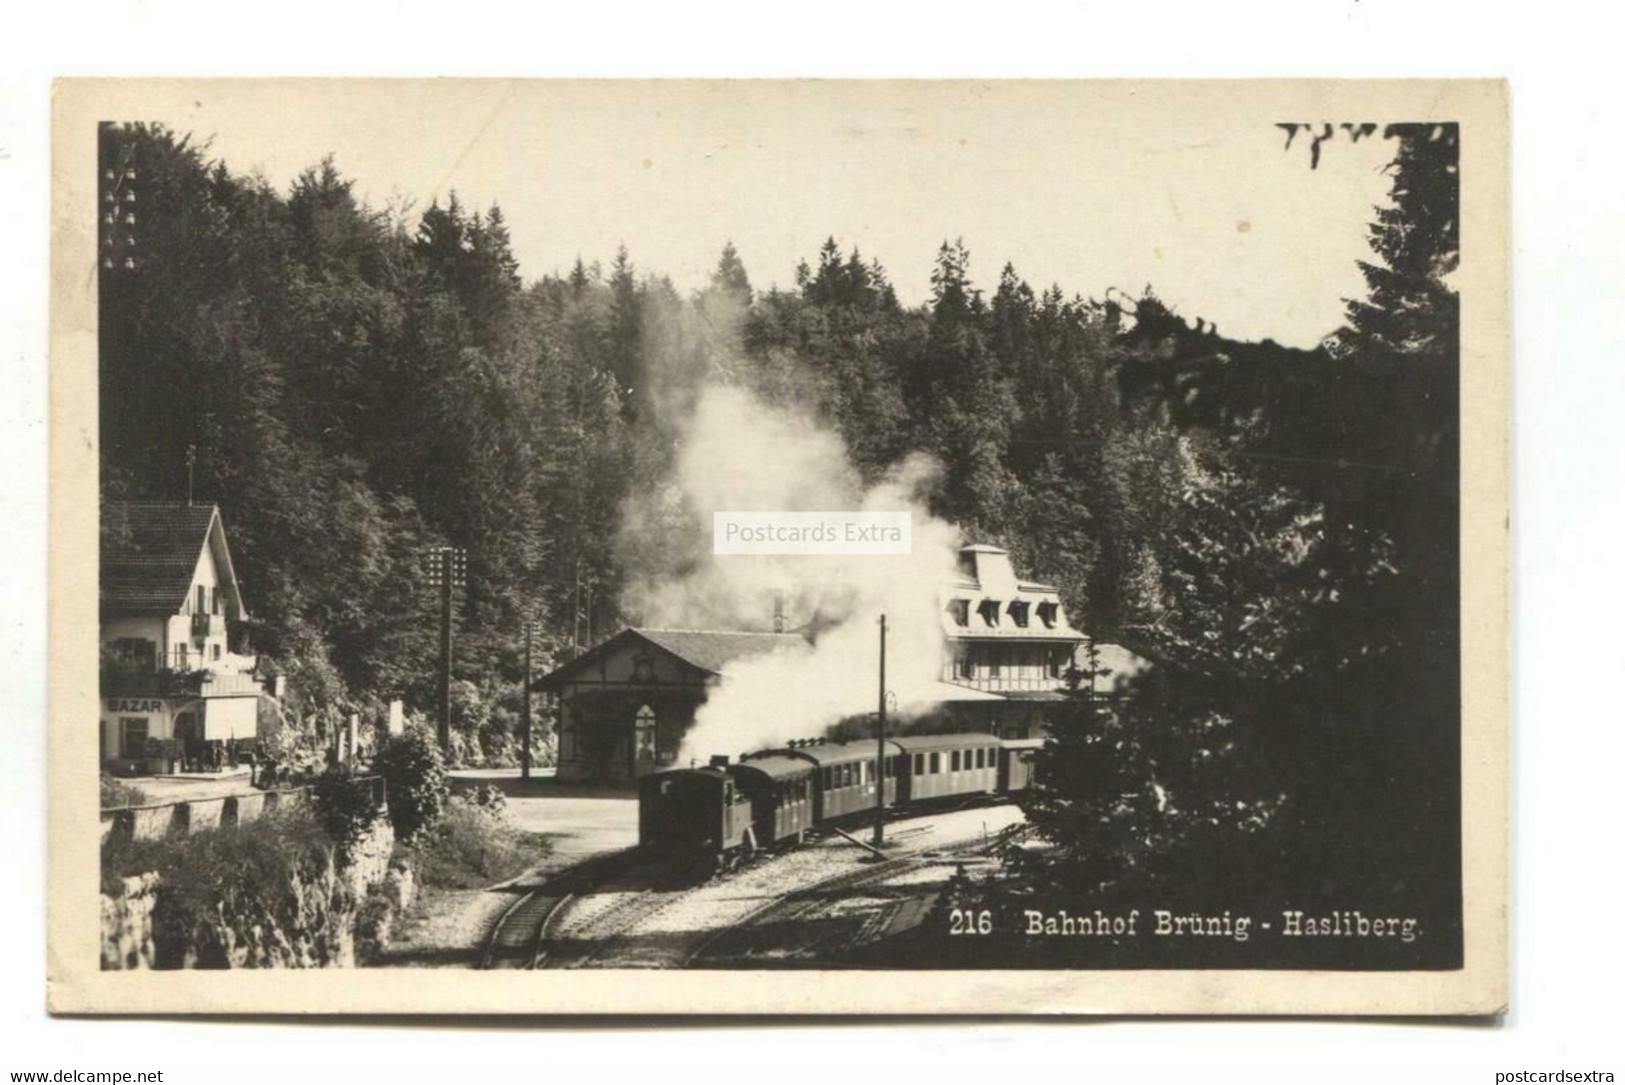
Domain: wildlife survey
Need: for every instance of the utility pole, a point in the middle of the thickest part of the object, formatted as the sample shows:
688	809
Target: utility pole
118	205
448	568
880	746
524	704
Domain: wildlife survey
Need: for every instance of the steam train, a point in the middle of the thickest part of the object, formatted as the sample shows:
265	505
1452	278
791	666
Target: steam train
718	813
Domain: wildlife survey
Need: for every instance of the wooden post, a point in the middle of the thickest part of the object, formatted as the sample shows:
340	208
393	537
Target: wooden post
880	747
524	706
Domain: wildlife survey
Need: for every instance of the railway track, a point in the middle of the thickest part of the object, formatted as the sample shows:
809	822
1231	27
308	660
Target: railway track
566	923
799	913
520	937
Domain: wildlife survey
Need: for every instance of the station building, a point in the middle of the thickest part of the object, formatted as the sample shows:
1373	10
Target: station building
178	681
1009	649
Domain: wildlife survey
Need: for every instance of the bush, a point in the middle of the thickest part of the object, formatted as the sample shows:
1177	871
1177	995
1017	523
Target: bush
487	797
345	809
473	846
116	792
414	775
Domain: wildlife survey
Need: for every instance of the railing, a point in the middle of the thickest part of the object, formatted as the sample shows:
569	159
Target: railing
174	819
1008	683
204	625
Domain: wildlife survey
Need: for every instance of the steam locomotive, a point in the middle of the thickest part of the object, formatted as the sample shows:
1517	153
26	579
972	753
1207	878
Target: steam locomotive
718	813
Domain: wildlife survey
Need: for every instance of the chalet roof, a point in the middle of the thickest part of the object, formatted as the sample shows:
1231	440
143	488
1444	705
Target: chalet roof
150	550
713	649
709	650
986	575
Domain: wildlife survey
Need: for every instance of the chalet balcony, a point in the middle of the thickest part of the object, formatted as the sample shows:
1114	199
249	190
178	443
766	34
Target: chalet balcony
207	625
1009	683
123	682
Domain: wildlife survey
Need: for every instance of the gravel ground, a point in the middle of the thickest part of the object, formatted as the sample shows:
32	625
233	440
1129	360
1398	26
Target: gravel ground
697	913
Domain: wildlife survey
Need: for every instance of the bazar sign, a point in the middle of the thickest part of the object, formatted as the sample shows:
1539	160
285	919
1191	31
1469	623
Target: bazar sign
115	704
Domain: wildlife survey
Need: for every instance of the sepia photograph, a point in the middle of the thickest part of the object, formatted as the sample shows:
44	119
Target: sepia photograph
774	533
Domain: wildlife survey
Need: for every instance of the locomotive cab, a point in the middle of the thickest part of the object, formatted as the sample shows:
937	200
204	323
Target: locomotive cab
692	812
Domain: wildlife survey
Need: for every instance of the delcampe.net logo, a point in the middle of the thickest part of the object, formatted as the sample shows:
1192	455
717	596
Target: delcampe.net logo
812	532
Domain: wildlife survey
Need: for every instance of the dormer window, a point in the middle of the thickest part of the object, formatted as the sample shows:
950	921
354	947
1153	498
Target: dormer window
959	610
967	564
989	610
1048	613
1018	612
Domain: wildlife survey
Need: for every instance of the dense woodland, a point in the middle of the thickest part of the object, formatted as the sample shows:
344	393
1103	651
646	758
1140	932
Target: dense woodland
1276	526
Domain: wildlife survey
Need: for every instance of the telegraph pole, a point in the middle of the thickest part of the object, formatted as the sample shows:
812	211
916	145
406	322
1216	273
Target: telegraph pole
524	704
880	746
448	568
444	700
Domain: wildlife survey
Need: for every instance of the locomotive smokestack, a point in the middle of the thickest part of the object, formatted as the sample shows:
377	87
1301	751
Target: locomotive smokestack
719	760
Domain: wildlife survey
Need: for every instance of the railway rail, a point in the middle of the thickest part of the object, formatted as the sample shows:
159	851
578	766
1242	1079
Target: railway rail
801	910
564	923
519	939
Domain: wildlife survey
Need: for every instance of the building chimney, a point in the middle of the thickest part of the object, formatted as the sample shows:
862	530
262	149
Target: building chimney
778	611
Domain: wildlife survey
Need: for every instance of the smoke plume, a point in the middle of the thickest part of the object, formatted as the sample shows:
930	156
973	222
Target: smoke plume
738	453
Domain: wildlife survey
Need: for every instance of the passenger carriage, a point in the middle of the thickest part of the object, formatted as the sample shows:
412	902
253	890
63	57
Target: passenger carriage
844	776
1017	763
782	796
942	766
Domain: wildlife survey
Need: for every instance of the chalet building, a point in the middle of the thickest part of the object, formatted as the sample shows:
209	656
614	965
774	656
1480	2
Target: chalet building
1009	649
177	682
625	704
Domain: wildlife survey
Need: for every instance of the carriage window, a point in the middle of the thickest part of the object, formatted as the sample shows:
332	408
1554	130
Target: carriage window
978	757
919	764
953	761
828	783
936	762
